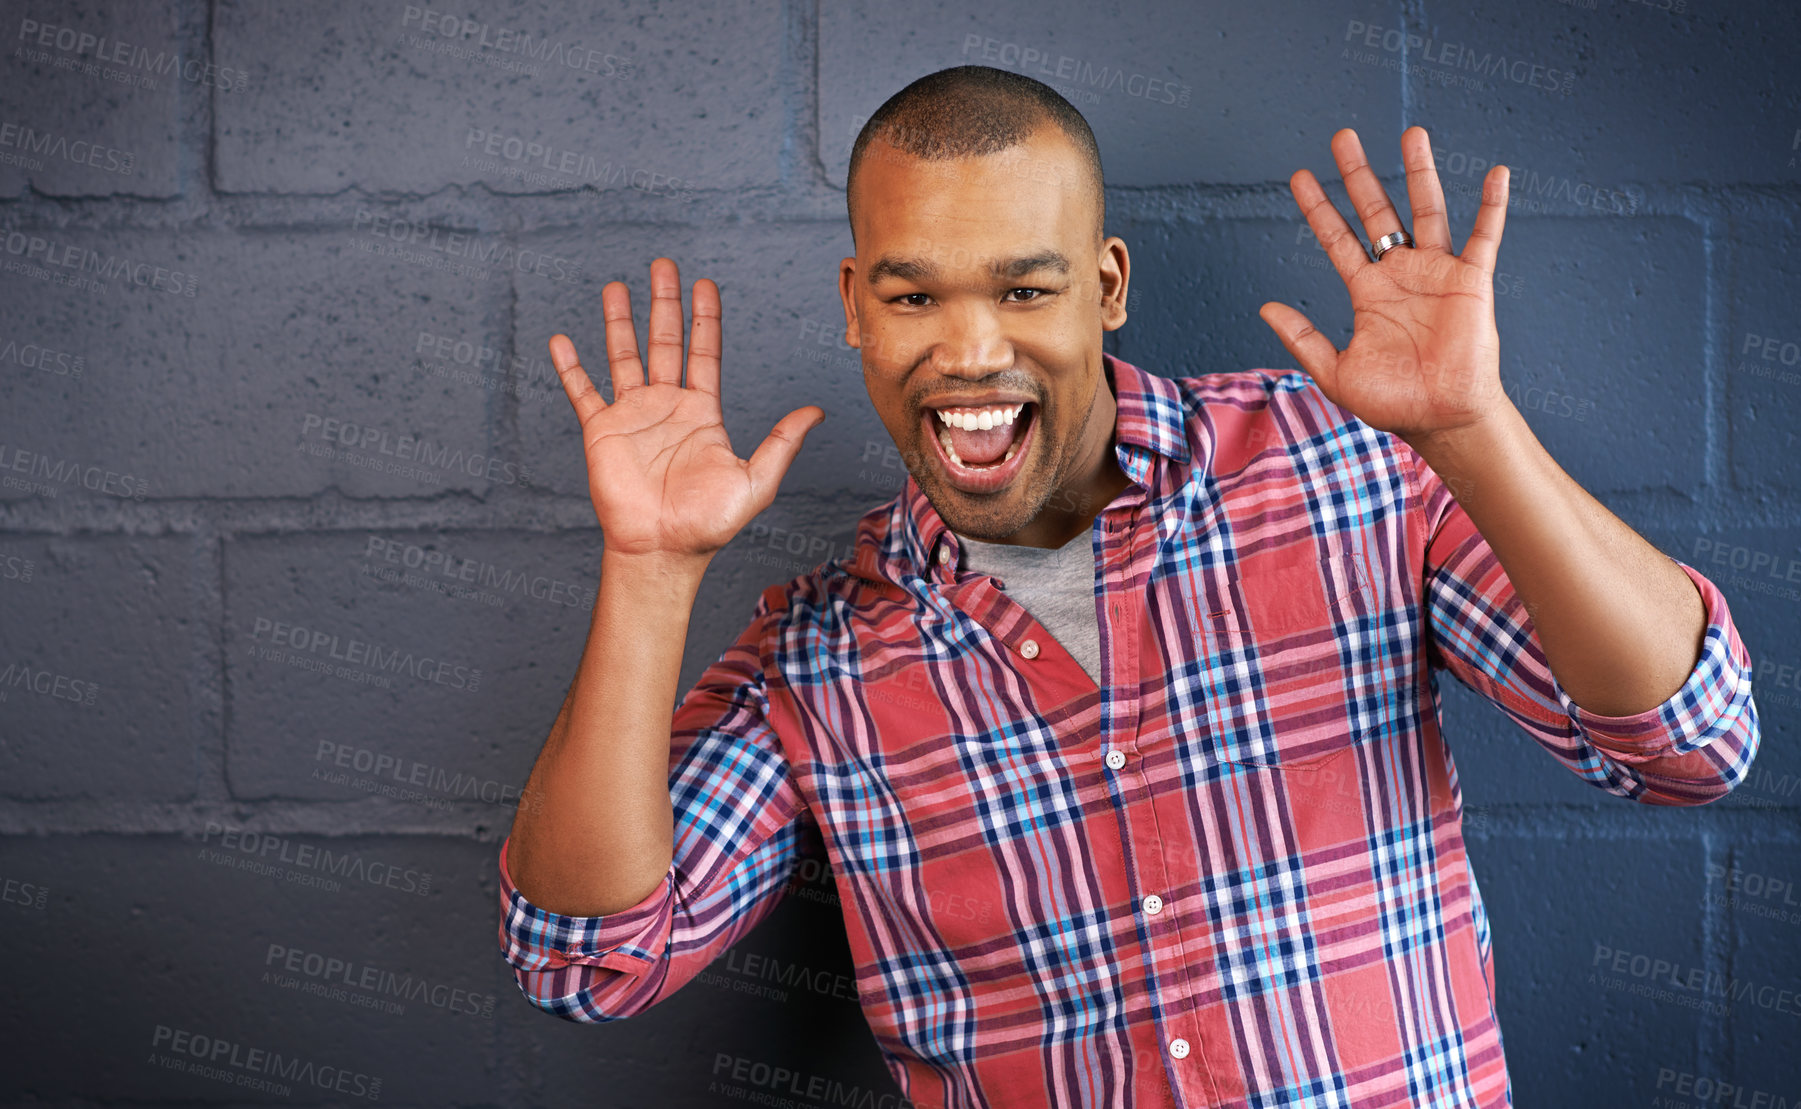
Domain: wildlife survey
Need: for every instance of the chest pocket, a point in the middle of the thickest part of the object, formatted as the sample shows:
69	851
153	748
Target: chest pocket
1289	632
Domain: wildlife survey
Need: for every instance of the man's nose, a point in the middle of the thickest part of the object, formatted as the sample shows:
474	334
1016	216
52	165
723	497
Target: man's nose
974	345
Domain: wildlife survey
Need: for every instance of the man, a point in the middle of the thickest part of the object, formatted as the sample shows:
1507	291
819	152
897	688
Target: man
1194	840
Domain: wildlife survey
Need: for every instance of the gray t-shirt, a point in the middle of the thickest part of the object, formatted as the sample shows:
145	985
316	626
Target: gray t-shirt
1055	586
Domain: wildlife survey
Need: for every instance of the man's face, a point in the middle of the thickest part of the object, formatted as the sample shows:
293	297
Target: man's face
989	296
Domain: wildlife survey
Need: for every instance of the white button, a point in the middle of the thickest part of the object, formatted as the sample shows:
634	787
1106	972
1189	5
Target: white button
1153	904
1115	759
1178	1048
1029	648
944	555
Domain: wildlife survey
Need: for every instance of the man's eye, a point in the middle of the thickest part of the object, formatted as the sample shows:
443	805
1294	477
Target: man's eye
1037	293
905	298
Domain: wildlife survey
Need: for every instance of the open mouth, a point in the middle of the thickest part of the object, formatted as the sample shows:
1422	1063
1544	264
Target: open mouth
981	447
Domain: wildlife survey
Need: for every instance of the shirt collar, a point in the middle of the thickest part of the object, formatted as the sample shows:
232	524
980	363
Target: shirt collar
1150	423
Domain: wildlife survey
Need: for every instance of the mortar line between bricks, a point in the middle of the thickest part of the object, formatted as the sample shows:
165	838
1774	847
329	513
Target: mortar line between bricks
822	179
800	34
1412	12
207	149
206	682
1713	369
1712	1034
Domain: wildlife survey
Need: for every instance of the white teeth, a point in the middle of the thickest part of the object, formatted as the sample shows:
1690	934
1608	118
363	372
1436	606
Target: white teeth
981	419
950	449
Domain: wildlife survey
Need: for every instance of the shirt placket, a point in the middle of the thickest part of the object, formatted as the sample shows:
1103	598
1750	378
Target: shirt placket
1160	854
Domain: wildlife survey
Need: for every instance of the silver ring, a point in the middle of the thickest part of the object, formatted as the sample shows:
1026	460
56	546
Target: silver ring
1388	242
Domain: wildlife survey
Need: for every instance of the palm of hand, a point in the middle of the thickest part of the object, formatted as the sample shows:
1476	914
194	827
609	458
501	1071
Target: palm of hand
662	472
1424	353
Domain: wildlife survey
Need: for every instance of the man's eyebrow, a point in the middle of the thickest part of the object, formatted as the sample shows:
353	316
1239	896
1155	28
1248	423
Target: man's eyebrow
920	269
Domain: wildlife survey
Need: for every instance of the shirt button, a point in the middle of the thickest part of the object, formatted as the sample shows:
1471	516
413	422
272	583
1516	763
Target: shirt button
1178	1048
1153	904
944	555
1115	759
1029	648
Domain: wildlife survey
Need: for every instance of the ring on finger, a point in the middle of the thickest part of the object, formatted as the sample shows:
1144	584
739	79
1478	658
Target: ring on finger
1388	242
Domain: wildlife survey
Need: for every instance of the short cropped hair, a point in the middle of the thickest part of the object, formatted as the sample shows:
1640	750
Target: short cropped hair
971	110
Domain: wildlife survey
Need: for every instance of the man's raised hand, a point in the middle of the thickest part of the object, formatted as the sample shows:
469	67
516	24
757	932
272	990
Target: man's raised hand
661	471
1424	358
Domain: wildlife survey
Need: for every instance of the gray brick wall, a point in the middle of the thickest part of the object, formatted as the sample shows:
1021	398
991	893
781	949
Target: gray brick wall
314	216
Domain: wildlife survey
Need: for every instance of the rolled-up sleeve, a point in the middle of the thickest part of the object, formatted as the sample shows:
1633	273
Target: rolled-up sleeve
739	826
1692	749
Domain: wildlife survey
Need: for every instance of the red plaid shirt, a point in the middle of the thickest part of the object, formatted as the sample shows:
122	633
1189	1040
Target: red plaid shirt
1234	873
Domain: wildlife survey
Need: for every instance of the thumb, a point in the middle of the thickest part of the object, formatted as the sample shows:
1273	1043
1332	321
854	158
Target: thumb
1313	351
776	453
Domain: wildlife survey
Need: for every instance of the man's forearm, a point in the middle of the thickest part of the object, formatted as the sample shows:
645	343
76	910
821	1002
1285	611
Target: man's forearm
598	833
1620	623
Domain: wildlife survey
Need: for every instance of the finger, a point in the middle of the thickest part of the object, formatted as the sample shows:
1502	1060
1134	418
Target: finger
576	383
772	459
703	339
1313	351
1368	198
622	338
665	322
1430	228
1341	244
1485	238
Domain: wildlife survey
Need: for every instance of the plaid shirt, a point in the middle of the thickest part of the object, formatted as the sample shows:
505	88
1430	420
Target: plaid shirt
1234	874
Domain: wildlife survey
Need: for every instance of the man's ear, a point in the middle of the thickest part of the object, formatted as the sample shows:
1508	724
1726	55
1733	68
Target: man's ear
1116	276
847	284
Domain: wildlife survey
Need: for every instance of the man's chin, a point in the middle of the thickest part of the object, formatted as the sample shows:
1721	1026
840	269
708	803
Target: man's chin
992	517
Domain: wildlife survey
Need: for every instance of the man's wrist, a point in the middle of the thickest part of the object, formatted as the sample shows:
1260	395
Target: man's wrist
1463	455
660	575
